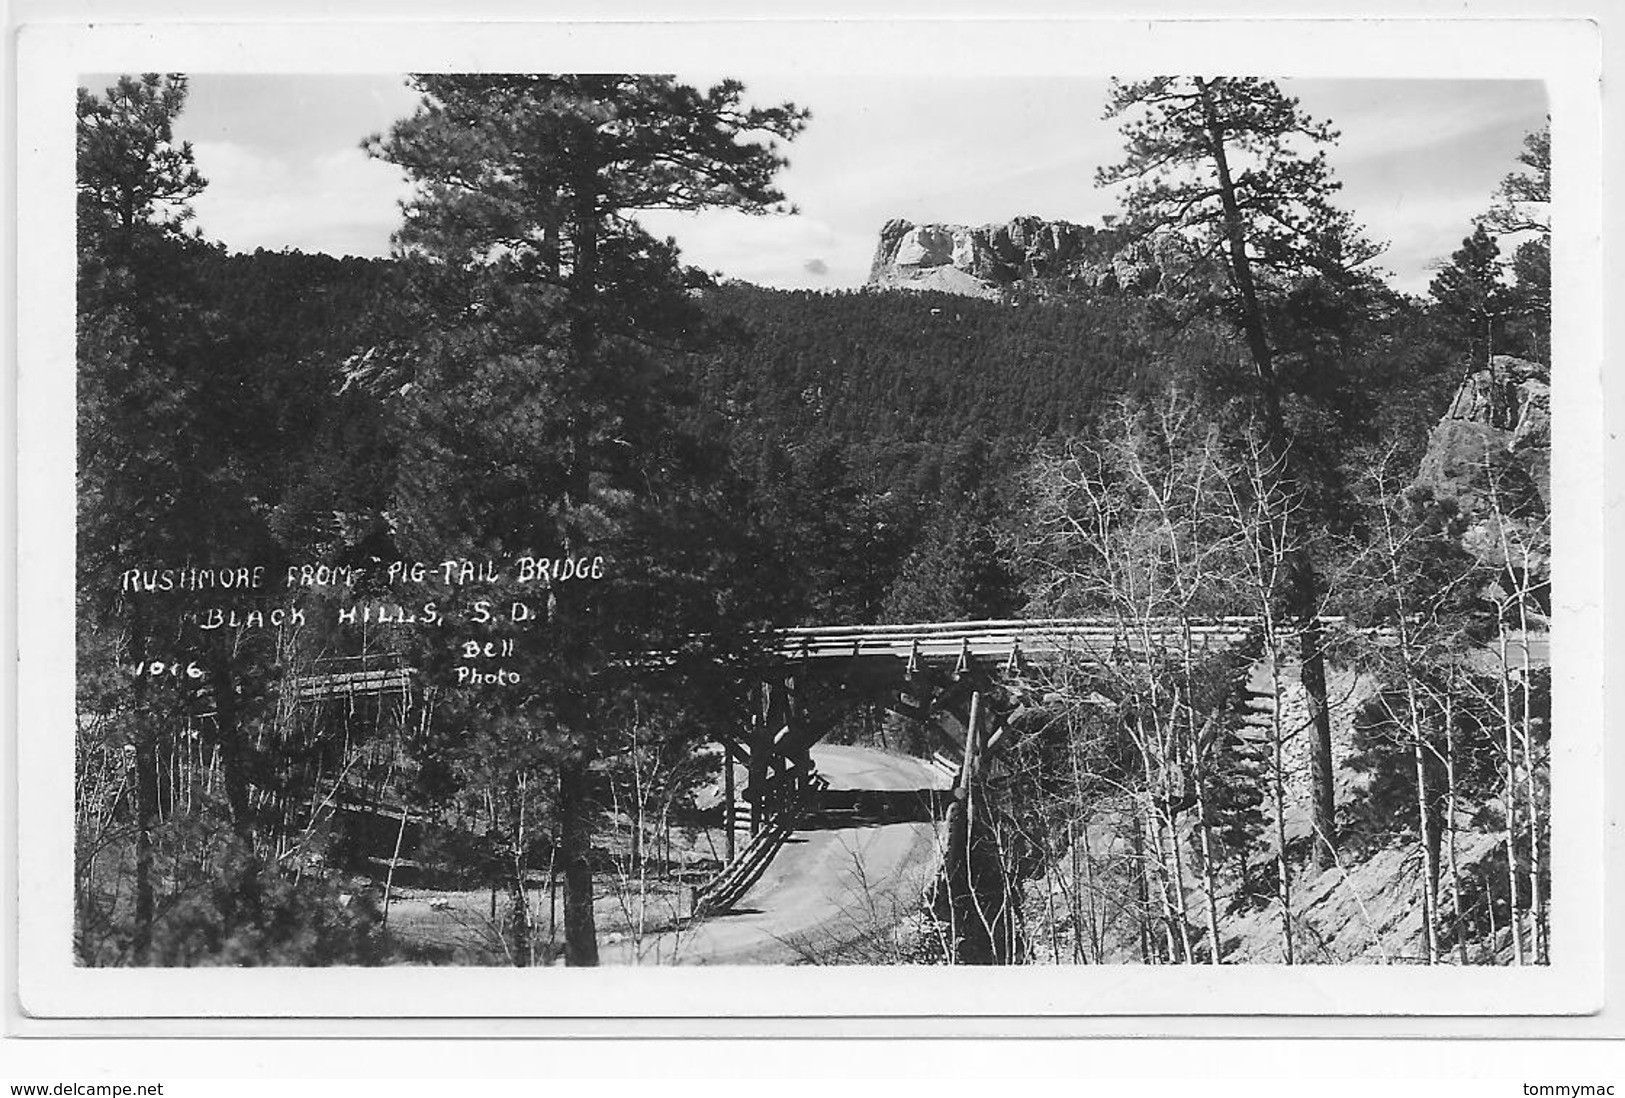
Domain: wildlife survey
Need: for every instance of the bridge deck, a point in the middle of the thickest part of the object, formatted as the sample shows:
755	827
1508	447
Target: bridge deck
975	642
984	641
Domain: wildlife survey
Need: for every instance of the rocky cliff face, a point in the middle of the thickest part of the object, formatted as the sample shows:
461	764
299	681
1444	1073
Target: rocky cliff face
1045	256
1502	416
1491	454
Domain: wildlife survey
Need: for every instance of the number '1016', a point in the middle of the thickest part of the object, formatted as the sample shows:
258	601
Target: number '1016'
158	669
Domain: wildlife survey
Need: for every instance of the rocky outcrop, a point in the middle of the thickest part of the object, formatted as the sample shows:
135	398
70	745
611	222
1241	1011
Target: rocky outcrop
986	260
1035	256
1491	456
1500	418
1163	263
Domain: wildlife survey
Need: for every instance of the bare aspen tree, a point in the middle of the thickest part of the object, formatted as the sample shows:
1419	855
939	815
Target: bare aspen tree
1447	701
1262	516
1178	499
1521	559
1412	720
1145	528
522	946
1443	577
1509	750
1425	581
1210	887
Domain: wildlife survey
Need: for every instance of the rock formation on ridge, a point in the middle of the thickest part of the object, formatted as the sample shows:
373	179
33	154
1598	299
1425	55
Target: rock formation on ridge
1027	252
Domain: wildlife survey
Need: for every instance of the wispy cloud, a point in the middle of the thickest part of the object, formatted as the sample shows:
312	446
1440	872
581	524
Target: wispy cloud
790	252
339	201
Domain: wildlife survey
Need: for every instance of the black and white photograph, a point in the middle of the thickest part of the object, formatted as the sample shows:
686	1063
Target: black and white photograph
745	516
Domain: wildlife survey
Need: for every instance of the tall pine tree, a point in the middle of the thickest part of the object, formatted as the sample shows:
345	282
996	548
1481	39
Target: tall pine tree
1239	171
541	419
1471	297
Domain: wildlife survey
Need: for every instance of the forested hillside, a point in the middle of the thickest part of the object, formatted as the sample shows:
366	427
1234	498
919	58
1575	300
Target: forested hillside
867	429
901	367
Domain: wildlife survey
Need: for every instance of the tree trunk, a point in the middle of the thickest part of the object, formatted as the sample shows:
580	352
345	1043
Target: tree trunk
1520	598
1209	876
553	891
575	814
394	860
1321	763
1141	886
232	763
973	934
1537	896
1303	586
1175	862
583	330
1426	829
1450	824
519	928
575	839
1078	835
146	812
1511	805
1095	936
1283	884
1154	864
1170	937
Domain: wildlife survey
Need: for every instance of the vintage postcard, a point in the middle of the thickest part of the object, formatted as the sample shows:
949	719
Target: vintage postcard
794	520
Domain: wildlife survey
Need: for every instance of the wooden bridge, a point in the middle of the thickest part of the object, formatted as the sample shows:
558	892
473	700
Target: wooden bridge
970	682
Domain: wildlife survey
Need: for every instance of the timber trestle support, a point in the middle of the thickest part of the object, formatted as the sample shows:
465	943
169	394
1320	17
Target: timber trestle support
969	684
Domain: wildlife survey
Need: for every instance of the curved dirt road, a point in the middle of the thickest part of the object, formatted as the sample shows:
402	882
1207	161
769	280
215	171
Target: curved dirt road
850	874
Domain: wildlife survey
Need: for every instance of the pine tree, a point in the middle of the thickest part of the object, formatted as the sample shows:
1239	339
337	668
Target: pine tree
1236	775
131	173
134	397
1524	198
1223	163
1529	300
174	465
1470	296
1522	209
543	416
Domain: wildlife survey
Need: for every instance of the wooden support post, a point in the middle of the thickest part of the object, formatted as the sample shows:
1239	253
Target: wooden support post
763	728
958	879
979	906
975	741
972	933
795	751
394	860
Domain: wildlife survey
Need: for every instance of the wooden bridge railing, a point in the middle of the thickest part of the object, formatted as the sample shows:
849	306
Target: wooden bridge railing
981	642
1000	640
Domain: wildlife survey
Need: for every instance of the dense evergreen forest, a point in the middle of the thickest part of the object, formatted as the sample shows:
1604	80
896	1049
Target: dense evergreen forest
746	458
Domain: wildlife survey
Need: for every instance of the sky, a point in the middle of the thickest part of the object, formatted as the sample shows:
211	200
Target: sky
1418	159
